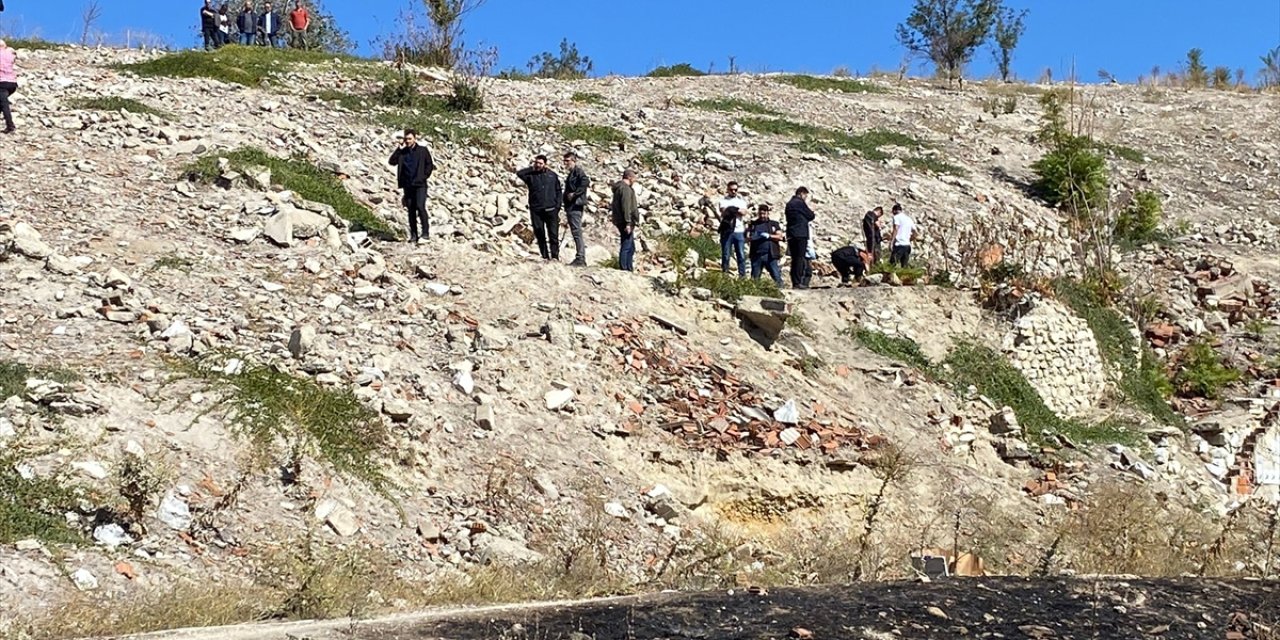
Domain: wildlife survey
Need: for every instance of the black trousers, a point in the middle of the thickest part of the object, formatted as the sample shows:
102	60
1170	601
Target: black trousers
848	267
415	202
801	273
901	253
7	89
546	228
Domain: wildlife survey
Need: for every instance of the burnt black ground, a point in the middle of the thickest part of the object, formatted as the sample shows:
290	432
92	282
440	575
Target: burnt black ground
975	608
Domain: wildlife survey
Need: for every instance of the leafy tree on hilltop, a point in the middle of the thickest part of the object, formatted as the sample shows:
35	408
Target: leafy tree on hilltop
569	65
1009	28
948	32
325	34
1197	74
1269	76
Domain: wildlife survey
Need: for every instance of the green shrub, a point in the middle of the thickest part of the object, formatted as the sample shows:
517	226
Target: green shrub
1143	382
583	97
821	139
249	66
593	133
465	95
1120	151
676	245
904	350
1072	176
731	288
733	104
303	178
675	70
33	508
400	92
842	85
567	65
932	164
437	121
612	262
908	275
1201	373
1139	221
271	408
14	376
994	377
116	103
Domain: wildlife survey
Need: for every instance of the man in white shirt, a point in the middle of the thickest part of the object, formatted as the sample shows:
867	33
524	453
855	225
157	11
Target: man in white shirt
903	228
733	228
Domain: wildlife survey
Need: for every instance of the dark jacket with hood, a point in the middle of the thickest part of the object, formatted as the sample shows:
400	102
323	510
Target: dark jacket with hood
871	230
415	165
544	188
624	209
575	189
799	215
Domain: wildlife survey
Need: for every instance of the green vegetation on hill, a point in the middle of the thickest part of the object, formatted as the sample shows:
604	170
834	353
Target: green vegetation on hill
285	416
733	104
842	85
675	71
117	103
34	44
303	178
249	66
32	508
815	139
593	133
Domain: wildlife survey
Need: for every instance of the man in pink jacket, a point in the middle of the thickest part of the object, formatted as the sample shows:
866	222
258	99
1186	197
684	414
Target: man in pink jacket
8	82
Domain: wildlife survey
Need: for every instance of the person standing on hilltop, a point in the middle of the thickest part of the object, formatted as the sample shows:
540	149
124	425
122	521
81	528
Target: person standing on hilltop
8	82
576	184
903	228
733	228
798	216
299	22
224	25
209	25
871	231
766	250
247	24
545	196
269	26
626	215
415	167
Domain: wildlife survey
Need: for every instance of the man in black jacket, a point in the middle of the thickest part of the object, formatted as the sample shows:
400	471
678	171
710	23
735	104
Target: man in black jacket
415	168
575	203
209	25
545	195
849	261
798	216
871	232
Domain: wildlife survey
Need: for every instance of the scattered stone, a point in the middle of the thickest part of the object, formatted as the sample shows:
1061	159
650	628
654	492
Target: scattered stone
397	409
84	580
301	339
174	512
485	418
338	517
558	398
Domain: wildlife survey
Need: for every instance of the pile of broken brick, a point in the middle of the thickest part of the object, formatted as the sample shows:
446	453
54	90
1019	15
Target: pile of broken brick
710	408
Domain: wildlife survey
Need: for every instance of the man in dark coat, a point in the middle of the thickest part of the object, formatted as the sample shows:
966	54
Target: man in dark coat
575	203
626	215
871	232
415	169
545	195
209	25
849	261
763	235
798	216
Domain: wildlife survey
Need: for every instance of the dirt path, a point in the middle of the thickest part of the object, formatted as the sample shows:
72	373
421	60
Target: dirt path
981	608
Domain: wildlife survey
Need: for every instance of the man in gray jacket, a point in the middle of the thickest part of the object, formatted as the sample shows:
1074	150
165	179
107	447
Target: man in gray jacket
545	195
625	216
575	202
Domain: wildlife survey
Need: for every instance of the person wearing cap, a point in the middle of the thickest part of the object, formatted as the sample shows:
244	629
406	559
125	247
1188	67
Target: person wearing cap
798	216
765	236
904	227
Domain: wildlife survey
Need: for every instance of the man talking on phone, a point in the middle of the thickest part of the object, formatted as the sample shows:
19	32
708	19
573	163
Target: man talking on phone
415	168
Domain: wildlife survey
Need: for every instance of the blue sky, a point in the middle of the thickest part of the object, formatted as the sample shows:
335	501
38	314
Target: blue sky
1125	37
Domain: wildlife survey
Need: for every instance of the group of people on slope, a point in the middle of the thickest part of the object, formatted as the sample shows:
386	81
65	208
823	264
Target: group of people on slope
764	238
760	239
265	28
547	197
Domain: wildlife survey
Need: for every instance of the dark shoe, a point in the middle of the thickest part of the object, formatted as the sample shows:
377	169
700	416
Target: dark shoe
801	286
9	130
578	263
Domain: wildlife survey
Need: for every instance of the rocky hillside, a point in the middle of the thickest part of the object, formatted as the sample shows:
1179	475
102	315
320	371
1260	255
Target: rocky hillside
229	394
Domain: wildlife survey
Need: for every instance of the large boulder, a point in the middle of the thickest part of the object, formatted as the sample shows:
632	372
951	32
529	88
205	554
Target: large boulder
769	315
